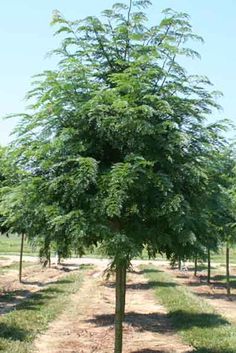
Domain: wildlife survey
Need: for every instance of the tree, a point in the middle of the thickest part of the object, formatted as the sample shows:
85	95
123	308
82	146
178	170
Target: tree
225	203
116	136
3	228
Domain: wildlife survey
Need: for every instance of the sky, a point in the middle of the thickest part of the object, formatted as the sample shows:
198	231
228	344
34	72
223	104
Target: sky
26	36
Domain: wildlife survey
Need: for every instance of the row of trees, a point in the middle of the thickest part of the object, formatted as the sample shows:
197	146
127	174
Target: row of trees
116	149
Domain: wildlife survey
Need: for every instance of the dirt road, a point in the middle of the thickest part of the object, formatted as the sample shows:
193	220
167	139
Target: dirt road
87	325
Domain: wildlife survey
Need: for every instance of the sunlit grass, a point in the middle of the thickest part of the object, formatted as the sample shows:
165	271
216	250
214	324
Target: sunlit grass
19	328
196	321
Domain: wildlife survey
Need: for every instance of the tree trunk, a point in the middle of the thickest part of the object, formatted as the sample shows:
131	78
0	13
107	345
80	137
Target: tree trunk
59	258
120	306
124	289
21	257
195	266
179	263
227	270
208	266
49	259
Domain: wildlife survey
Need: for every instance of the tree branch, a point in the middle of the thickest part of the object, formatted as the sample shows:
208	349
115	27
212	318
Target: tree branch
128	24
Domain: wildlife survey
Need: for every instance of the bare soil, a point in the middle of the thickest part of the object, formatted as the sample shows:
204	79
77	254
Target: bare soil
86	326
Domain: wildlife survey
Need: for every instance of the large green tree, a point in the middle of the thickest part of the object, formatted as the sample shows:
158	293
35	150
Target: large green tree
116	136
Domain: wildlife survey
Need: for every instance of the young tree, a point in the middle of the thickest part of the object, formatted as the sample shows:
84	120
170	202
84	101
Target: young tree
116	133
225	204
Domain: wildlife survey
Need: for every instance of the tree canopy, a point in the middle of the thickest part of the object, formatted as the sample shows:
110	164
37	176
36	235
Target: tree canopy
116	135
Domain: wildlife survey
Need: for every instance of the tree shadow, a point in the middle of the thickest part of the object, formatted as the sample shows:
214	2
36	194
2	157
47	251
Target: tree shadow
68	269
68	265
143	322
195	350
144	286
23	299
231	297
151	285
35	300
33	283
218	277
184	320
216	282
78	266
197	283
148	351
45	284
148	270
12	332
156	322
183	275
9	296
63	281
212	350
200	268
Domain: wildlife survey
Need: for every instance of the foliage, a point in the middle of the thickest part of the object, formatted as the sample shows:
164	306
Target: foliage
115	148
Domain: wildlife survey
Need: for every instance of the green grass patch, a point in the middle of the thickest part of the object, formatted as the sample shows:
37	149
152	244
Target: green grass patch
197	322
221	255
11	245
19	328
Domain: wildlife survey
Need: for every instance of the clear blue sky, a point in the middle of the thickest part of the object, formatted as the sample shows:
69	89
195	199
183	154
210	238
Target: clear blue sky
26	36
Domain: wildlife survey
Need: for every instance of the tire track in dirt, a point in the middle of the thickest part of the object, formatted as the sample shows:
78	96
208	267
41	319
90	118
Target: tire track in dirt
86	326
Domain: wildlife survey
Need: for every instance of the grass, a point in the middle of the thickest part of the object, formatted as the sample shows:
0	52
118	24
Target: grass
11	245
15	266
19	328
220	257
196	321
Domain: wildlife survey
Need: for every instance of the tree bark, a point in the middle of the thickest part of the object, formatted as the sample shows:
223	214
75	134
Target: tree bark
195	266
59	258
120	306
227	270
21	257
179	263
49	259
208	265
124	289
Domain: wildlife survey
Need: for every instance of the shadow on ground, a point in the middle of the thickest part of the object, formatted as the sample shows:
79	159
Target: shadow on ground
36	300
12	299
9	296
196	350
148	351
156	322
144	286
12	332
214	350
184	320
231	297
45	284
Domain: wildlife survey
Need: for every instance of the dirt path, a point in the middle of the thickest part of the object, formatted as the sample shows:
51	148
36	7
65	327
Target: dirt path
87	325
34	277
214	294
